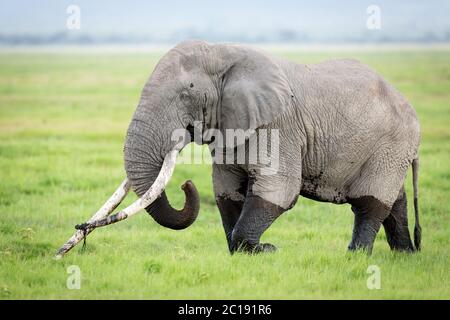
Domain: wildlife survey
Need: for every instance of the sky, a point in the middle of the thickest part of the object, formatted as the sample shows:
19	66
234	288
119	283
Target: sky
315	20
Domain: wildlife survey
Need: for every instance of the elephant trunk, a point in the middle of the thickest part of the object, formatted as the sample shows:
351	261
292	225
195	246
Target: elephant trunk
146	146
168	217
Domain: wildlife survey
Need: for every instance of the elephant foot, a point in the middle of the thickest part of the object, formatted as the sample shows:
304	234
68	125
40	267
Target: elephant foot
245	247
266	247
407	249
352	247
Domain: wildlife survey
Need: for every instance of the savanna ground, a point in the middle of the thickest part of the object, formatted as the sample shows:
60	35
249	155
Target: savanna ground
63	118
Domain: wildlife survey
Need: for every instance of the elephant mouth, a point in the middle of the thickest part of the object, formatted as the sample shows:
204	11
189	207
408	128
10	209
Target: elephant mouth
191	129
201	134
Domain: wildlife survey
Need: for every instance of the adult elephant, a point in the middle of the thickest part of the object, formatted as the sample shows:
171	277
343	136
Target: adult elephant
345	136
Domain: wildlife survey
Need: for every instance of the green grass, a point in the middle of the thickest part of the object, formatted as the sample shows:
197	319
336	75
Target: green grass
63	118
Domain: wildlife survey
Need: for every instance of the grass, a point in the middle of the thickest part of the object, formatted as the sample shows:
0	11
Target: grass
63	118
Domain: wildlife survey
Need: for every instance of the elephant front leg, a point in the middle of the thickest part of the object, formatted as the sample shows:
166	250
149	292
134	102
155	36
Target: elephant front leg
230	210
268	196
230	188
257	215
369	214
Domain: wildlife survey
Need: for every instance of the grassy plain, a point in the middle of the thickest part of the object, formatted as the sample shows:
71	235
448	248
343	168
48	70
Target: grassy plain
63	118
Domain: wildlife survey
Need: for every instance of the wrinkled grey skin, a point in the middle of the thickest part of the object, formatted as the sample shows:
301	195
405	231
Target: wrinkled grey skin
346	136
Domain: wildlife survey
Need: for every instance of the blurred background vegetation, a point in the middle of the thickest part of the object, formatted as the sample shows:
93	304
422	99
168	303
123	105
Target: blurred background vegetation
68	94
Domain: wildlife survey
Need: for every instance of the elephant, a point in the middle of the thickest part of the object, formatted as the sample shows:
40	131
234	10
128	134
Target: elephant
345	136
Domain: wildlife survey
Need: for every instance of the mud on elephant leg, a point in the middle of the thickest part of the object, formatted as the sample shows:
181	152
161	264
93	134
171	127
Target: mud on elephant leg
257	215
230	210
230	187
396	225
369	214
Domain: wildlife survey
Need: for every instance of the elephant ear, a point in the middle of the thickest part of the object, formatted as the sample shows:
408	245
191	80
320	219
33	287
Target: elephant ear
255	92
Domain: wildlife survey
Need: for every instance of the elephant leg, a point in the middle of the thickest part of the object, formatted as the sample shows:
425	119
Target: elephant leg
396	225
369	214
257	215
268	196
230	188
230	211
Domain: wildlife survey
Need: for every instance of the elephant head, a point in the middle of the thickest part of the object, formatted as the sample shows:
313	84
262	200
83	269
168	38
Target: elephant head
220	86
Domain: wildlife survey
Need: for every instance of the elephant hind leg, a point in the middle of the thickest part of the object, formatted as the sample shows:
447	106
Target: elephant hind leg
369	215
396	225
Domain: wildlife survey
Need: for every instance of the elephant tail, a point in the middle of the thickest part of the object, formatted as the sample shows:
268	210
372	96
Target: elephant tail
417	227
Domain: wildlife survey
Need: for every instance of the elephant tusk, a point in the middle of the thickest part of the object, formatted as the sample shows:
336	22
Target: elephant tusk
103	212
150	195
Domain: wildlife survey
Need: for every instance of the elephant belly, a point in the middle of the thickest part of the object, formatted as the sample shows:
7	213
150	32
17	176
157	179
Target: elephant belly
315	189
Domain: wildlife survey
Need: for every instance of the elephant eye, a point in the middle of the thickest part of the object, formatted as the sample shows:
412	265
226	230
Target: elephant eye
185	96
191	85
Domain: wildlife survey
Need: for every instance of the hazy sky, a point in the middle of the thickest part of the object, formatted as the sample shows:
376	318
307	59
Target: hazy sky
319	18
